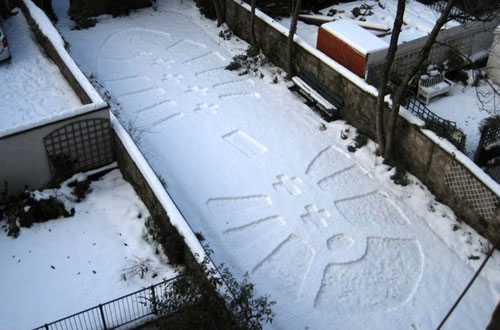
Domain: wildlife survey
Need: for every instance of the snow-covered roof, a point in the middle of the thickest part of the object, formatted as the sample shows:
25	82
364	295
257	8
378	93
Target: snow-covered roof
355	36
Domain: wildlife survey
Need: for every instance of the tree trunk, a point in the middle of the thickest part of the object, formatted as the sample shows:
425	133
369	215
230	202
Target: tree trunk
384	79
219	12
495	319
400	91
252	24
291	34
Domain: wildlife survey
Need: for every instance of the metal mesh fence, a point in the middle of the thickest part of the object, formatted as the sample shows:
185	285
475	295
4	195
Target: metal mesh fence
441	126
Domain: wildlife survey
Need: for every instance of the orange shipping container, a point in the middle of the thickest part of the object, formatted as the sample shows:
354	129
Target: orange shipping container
348	44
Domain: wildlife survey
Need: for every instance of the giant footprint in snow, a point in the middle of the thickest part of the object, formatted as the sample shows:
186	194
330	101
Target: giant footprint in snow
385	277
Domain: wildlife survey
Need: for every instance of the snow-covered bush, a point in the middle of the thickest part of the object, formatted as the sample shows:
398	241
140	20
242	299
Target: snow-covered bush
26	209
250	62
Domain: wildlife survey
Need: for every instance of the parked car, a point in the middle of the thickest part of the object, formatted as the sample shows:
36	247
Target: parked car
4	47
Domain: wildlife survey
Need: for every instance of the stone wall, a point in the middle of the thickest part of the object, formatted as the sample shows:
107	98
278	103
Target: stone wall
451	181
169	236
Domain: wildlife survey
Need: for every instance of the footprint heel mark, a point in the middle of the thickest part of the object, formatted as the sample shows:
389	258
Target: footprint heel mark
385	277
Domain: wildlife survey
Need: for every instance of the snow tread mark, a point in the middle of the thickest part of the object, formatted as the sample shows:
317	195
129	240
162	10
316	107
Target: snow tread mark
229	82
287	265
339	242
318	217
371	208
385	277
156	104
122	79
207	71
235	95
349	182
246	144
327	162
111	70
240	207
288	184
140	91
274	219
210	109
196	58
196	89
176	78
165	120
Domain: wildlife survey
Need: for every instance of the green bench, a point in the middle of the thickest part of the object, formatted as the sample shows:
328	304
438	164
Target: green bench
318	94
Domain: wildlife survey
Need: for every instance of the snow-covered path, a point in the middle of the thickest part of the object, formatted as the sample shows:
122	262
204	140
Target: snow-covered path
322	230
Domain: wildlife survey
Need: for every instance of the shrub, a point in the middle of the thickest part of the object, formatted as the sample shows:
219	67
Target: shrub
463	77
400	177
81	189
138	267
41	210
359	141
206	8
24	210
455	60
331	12
79	12
171	241
193	301
250	62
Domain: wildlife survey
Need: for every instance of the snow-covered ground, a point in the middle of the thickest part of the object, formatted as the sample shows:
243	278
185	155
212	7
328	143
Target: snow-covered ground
63	266
325	232
462	106
31	85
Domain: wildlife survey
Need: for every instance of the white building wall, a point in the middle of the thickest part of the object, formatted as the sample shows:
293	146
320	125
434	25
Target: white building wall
493	66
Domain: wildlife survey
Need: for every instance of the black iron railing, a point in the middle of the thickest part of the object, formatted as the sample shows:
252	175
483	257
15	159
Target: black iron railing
443	127
132	309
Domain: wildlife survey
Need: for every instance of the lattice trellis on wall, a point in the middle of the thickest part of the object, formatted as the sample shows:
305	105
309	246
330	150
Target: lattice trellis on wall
79	146
466	186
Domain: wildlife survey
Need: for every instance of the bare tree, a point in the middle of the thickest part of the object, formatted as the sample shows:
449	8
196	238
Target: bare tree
386	123
386	128
219	12
253	4
382	88
291	34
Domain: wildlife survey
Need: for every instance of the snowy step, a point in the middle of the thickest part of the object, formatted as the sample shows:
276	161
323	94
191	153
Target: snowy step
308	92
